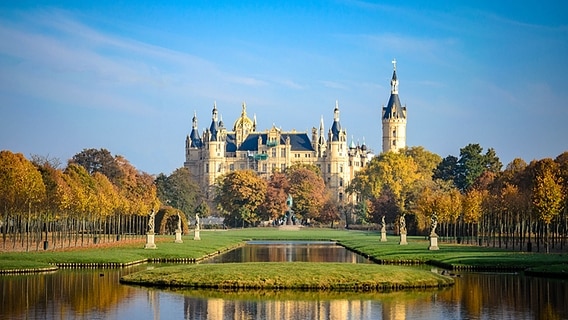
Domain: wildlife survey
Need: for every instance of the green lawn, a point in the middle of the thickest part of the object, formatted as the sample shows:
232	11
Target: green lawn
212	242
290	275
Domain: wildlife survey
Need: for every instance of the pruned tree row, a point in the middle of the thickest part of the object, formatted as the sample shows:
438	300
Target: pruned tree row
97	197
524	206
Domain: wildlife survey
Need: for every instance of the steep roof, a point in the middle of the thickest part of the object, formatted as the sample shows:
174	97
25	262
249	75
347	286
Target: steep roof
394	109
298	142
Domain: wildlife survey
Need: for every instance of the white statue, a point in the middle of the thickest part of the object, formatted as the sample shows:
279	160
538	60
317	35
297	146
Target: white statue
151	221
434	220
402	224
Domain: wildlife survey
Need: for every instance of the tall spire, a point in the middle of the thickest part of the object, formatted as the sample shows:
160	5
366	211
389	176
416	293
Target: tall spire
194	135
336	111
394	118
214	125
394	80
335	127
214	112
321	138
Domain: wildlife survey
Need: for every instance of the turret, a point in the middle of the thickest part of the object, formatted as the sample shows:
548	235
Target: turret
194	139
335	127
214	128
394	119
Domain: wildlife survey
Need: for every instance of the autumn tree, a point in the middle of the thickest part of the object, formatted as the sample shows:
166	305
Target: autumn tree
274	204
307	188
547	197
329	212
440	197
426	161
239	194
384	206
101	160
137	188
390	173
21	190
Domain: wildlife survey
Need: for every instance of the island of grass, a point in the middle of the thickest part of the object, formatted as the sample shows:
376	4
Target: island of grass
290	275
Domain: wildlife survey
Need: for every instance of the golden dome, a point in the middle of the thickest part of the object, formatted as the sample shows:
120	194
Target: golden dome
243	121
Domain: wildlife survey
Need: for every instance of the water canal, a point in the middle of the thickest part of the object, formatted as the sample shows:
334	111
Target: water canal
97	294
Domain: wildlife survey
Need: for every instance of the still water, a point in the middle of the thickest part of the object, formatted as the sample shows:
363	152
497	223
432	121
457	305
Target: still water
97	294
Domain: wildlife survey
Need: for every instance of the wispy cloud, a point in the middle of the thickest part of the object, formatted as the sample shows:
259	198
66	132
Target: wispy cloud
247	81
54	56
333	85
290	84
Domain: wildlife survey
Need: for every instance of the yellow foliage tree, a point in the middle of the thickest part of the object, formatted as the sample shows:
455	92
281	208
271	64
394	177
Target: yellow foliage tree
239	193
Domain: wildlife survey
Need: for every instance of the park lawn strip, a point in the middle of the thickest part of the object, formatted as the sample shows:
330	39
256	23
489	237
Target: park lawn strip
122	254
290	275
456	256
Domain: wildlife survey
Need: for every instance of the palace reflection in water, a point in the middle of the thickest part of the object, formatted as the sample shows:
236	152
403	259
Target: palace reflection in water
475	296
97	294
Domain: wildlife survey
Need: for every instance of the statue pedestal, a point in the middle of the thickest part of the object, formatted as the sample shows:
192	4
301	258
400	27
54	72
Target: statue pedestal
383	236
433	243
196	235
150	241
403	239
178	236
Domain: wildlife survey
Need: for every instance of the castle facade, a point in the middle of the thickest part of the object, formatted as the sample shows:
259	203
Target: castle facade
219	150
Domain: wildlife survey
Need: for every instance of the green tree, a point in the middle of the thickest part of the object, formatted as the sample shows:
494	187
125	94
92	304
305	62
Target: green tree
179	191
447	169
473	163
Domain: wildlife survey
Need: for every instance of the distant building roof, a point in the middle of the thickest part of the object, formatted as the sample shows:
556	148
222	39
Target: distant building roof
298	142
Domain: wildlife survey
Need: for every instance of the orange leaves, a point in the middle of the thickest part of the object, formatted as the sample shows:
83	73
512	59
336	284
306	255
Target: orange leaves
240	193
308	191
21	185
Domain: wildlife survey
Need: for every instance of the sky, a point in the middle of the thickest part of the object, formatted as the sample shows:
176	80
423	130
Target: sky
128	76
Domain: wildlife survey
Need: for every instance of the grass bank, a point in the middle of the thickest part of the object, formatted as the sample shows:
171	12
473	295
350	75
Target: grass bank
212	242
291	275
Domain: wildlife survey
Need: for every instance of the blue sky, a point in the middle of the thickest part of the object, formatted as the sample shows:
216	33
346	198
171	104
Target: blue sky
129	75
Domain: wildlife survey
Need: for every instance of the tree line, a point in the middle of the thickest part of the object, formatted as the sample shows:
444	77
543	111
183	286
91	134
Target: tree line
521	207
246	199
98	196
95	197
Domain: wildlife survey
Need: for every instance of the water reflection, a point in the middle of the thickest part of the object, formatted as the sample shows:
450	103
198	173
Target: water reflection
62	294
97	294
289	251
303	305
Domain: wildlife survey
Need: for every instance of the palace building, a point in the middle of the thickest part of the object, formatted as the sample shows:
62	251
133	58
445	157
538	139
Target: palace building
219	150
